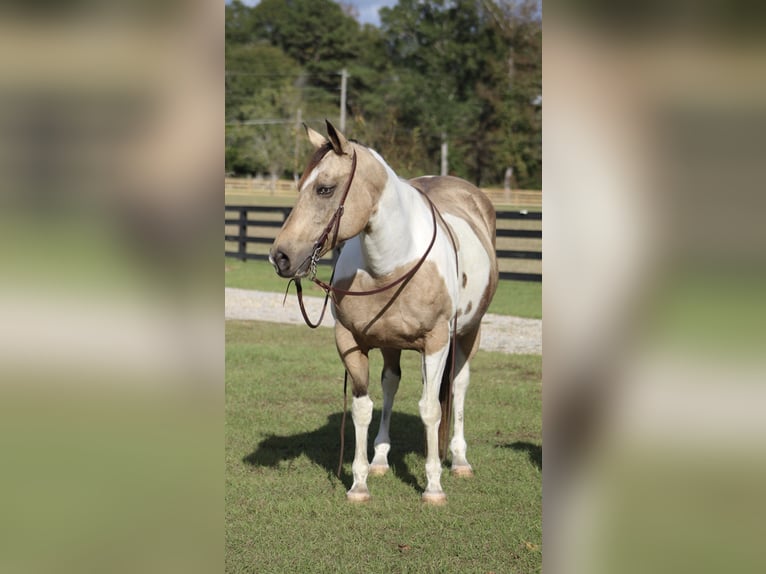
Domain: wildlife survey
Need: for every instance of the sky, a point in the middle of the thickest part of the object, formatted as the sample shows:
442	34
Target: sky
368	9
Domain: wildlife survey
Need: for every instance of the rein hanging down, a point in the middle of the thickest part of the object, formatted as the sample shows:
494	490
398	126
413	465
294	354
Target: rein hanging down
333	226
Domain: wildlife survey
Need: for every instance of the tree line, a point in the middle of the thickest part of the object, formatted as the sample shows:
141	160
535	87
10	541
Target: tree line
465	70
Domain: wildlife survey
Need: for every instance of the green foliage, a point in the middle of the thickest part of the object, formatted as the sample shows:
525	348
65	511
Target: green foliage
468	69
260	86
316	33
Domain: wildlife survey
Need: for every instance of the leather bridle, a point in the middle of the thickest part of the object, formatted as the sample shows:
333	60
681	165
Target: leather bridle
333	226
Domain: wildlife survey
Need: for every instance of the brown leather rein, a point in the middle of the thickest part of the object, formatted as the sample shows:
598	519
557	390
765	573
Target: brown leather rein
333	226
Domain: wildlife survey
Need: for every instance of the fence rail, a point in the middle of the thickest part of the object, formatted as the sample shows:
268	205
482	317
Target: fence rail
261	187
272	217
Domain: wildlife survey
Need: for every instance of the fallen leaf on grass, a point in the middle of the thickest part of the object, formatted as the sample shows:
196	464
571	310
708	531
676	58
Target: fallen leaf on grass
531	546
404	547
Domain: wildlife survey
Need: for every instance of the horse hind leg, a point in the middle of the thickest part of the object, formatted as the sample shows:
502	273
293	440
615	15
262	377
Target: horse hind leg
434	361
389	381
458	446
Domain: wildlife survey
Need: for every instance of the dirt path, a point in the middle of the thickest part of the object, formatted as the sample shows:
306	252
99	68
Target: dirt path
501	333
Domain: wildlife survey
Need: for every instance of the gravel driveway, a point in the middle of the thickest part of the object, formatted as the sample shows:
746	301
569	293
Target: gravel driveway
501	333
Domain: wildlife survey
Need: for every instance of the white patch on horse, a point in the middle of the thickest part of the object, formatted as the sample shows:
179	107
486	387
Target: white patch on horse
310	179
430	412
350	259
384	247
475	265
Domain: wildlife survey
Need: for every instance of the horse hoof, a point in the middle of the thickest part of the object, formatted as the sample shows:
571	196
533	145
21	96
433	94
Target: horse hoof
358	496
378	469
462	471
435	498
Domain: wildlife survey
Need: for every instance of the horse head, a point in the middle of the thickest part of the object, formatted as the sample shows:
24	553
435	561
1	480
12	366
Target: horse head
335	201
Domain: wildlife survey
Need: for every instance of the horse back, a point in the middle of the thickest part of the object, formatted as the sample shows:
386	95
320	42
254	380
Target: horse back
462	199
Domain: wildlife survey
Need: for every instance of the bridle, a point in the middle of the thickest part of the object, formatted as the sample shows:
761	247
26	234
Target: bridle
333	226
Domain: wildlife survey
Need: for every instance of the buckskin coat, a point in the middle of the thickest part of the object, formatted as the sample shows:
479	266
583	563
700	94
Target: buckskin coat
386	228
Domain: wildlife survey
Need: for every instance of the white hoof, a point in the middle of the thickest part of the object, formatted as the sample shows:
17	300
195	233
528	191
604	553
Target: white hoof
462	471
378	469
434	498
358	495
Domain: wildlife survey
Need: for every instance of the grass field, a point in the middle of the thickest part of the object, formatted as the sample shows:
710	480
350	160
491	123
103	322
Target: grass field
518	298
286	510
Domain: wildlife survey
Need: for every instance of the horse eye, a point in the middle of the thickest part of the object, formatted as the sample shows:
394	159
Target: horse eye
325	189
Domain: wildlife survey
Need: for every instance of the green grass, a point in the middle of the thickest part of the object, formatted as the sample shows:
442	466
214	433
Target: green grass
285	509
517	298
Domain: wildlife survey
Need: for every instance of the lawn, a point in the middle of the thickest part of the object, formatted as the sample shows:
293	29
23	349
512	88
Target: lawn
517	298
285	508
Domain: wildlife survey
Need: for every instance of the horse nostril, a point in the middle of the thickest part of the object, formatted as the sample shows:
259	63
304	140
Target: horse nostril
281	261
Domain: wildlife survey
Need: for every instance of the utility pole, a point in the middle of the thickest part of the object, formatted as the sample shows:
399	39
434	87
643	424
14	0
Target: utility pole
343	81
444	153
298	122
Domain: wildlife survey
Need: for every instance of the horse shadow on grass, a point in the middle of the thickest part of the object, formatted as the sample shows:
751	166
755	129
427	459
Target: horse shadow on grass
322	446
534	451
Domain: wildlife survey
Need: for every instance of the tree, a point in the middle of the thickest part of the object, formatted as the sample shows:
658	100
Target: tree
261	89
443	53
317	34
238	23
479	69
521	111
467	68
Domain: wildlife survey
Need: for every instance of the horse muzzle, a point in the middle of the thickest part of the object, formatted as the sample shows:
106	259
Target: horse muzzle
287	265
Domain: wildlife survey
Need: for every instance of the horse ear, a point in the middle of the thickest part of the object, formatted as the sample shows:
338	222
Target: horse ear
316	139
339	142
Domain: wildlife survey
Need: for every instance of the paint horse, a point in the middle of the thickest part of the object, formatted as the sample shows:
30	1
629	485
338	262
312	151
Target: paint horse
417	270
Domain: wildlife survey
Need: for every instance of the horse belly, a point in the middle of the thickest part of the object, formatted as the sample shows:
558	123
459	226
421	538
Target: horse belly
392	318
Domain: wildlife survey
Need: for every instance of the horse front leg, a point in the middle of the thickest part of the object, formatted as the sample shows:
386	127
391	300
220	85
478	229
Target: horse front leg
466	348
389	381
356	362
434	361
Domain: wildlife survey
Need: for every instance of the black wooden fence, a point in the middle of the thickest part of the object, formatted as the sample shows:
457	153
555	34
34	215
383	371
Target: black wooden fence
268	218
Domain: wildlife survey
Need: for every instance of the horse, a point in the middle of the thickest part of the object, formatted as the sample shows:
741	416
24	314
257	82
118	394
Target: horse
416	271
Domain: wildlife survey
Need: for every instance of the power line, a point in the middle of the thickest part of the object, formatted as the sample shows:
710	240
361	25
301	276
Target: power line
300	75
270	122
263	74
233	95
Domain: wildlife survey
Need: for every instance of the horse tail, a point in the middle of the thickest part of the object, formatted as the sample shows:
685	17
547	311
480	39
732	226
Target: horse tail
445	400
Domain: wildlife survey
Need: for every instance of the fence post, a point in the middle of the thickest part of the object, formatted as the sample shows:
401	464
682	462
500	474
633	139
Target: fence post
242	244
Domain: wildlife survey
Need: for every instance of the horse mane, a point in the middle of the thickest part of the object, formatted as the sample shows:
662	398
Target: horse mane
317	157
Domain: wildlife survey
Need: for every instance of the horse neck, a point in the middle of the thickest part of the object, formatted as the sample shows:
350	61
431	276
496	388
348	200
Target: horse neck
399	230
